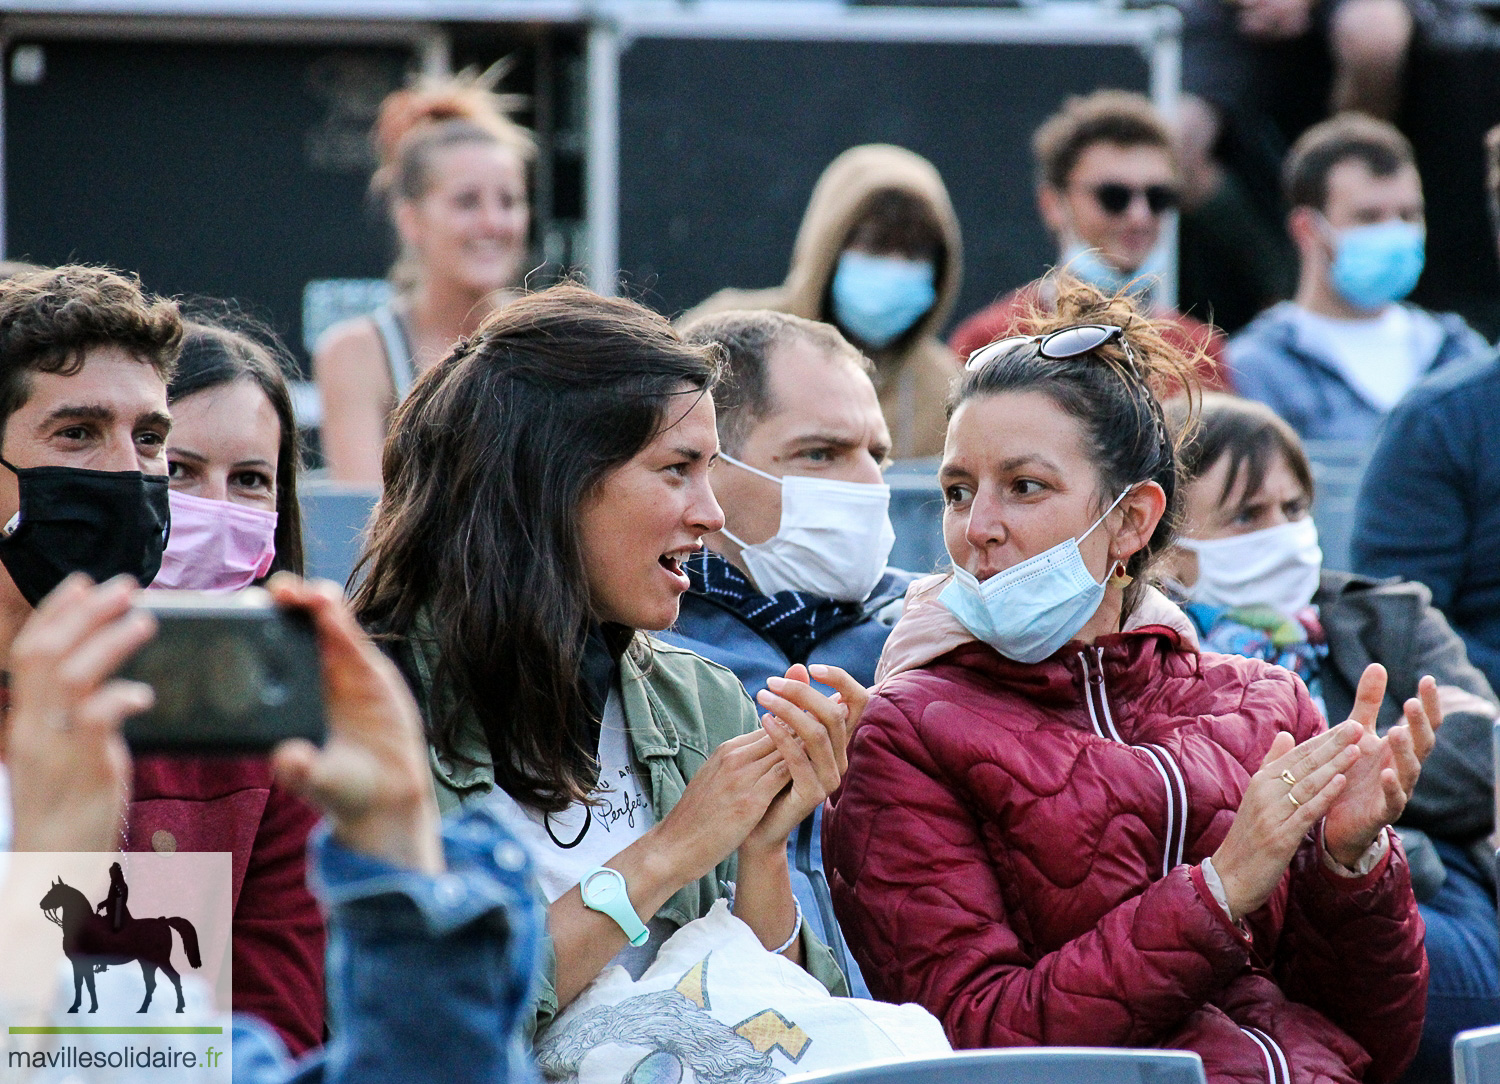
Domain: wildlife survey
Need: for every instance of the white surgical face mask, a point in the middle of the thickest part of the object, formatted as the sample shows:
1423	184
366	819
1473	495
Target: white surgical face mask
1031	609
834	538
1276	567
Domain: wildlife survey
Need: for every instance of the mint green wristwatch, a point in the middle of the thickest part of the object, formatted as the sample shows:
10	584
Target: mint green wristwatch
604	890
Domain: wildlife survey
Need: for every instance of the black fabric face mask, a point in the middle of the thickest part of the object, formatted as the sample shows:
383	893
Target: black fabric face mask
76	520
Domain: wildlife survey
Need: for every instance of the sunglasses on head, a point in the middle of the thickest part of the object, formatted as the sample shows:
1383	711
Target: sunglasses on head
1072	342
1060	345
1116	198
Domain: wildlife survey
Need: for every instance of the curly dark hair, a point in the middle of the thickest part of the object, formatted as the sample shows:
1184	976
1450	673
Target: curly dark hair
51	318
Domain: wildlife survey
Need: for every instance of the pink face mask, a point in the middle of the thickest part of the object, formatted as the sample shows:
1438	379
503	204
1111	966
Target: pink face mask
215	545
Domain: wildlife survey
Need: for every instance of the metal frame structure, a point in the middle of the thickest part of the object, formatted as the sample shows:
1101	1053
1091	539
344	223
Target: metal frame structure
612	26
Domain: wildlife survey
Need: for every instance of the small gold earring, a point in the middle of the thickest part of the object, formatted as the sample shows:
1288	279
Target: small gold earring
1118	577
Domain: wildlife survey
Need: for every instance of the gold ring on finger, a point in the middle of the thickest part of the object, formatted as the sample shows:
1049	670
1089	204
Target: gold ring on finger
1288	778
1293	799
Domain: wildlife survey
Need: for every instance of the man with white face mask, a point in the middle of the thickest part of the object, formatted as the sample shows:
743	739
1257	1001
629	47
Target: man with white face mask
798	574
1335	359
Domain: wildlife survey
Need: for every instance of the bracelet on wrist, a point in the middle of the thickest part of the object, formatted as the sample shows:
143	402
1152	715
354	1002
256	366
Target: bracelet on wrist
796	929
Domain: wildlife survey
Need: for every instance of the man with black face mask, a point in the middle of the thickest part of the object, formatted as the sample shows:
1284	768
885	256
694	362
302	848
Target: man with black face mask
85	357
84	362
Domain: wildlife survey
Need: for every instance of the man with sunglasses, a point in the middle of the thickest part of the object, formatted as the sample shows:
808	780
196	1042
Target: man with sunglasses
1335	359
1107	176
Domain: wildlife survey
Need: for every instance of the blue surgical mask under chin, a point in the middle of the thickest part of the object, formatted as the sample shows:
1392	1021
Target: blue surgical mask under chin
879	298
1377	264
1089	265
1030	610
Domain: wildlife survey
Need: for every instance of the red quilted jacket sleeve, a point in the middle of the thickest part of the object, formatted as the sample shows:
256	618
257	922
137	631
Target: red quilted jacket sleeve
919	899
1351	947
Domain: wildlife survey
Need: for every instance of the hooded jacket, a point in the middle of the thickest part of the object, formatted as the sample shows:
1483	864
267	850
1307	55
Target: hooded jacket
1018	848
912	378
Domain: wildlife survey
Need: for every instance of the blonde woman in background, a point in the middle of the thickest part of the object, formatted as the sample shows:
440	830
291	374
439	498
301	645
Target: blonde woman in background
453	176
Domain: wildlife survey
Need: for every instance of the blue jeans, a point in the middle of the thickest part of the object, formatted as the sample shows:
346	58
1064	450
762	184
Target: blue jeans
1463	955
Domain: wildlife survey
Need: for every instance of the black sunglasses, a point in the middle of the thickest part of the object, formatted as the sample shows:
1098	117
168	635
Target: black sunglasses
1116	198
1060	345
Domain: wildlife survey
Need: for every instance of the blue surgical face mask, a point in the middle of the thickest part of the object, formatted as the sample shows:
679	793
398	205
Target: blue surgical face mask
1031	609
1377	264
879	298
1089	265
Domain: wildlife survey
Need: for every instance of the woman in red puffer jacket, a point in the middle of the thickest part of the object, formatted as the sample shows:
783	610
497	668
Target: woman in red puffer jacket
1061	823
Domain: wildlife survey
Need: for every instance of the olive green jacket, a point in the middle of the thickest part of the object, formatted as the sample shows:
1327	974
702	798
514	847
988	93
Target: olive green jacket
679	708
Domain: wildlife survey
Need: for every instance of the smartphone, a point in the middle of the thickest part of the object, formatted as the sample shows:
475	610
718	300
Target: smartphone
233	673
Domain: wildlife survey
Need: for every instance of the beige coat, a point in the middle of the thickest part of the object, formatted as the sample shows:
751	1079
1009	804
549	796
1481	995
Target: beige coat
913	384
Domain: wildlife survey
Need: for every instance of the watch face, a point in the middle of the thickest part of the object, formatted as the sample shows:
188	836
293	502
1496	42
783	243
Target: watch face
601	888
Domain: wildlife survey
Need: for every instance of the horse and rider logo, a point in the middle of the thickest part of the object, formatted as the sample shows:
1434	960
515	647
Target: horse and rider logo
95	938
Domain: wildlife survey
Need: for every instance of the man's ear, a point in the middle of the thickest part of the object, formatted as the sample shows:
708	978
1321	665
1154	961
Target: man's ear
1305	230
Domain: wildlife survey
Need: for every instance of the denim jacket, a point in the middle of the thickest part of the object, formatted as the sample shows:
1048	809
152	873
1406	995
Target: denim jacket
429	978
679	708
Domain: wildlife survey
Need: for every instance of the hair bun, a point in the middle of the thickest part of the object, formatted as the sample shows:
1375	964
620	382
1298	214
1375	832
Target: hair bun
468	96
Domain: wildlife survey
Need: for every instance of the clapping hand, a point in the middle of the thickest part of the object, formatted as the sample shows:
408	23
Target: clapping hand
1381	783
811	731
1295	786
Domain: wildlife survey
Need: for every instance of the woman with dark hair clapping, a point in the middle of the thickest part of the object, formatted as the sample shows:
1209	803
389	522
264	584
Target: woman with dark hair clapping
543	486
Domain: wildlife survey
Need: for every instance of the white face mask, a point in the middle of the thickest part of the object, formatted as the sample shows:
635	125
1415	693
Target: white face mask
1276	567
834	538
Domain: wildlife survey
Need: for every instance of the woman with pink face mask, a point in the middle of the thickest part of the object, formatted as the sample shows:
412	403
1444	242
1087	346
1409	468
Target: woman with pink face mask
232	463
